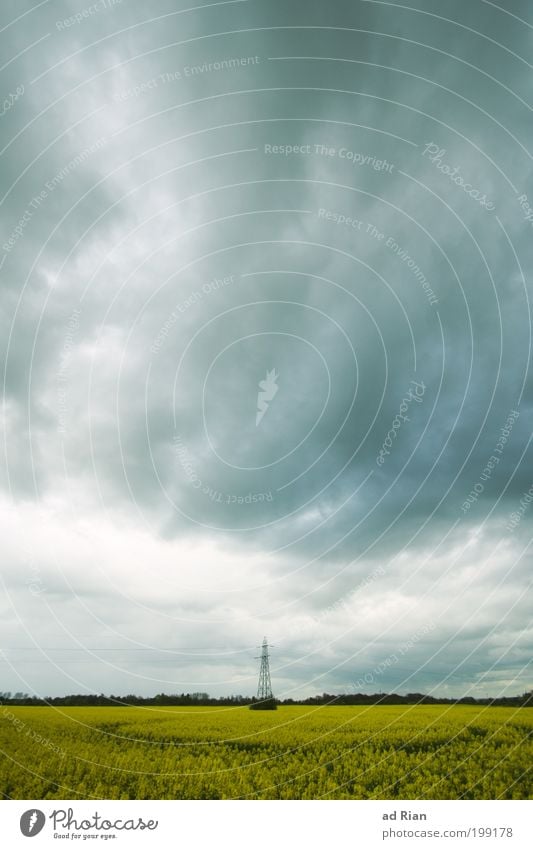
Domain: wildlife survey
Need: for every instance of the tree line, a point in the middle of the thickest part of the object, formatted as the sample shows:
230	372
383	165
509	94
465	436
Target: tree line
205	700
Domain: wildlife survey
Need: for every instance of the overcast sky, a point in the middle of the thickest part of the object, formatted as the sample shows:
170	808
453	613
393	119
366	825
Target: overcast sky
265	327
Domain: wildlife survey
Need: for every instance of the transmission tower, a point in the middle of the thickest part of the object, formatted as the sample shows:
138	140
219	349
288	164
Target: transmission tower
265	698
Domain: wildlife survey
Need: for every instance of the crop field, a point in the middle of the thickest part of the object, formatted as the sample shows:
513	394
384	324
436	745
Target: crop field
389	752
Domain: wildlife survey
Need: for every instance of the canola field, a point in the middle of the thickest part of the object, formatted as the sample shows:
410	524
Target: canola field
378	752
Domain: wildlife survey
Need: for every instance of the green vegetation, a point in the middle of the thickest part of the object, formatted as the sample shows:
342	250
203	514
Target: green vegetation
264	704
388	752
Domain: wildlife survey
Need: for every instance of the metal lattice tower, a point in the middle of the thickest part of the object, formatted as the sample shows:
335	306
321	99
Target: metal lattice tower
264	688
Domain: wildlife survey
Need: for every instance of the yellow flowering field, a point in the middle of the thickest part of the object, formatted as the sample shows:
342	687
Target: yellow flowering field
296	752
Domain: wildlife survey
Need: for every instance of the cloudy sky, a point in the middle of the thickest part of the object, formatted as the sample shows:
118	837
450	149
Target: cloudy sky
266	341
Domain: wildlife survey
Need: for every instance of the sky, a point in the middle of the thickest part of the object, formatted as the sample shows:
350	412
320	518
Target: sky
265	276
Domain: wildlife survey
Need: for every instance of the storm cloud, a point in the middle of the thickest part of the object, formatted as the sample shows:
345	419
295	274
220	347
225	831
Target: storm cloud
266	341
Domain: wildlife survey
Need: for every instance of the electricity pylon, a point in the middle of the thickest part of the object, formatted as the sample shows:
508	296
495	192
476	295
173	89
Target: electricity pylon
265	698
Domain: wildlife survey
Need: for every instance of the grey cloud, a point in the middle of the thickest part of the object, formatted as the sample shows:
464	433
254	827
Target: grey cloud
192	242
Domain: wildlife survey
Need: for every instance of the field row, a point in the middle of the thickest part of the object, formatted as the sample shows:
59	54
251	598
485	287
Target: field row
373	752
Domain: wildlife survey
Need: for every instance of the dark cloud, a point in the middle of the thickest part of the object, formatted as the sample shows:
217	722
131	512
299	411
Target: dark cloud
287	200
